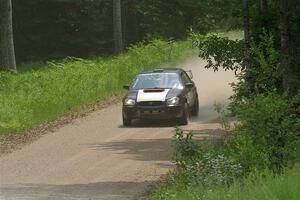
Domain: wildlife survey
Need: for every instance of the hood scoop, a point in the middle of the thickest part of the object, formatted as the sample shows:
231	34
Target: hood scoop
153	90
152	94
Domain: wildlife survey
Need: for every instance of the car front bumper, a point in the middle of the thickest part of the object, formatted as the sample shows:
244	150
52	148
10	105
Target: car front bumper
155	112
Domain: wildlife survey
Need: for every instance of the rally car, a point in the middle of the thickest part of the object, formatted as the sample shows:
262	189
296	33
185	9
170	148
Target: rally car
166	93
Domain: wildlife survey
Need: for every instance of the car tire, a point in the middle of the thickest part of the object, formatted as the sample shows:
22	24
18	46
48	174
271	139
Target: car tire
195	108
126	121
185	115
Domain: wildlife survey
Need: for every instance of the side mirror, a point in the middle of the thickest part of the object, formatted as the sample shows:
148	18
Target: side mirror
126	87
189	73
189	85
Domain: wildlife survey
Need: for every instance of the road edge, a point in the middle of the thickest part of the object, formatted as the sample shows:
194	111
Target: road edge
16	141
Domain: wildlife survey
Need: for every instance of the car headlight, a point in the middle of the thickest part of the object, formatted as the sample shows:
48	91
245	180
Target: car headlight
129	102
173	101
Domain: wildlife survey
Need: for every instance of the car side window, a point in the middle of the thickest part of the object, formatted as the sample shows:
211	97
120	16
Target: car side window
185	78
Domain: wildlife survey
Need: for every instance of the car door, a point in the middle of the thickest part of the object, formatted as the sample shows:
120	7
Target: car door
189	91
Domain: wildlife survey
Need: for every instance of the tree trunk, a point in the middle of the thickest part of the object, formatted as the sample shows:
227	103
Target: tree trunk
7	52
264	4
117	18
290	46
124	15
132	22
247	54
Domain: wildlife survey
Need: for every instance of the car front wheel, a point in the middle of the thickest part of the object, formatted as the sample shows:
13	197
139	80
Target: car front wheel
185	115
195	108
126	121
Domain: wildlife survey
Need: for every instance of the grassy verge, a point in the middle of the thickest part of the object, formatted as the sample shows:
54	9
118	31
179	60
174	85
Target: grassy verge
264	186
46	91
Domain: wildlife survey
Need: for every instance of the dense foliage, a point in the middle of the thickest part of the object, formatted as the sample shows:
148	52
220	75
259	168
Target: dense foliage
60	28
266	136
264	140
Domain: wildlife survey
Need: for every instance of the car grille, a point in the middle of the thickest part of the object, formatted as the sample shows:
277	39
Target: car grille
151	103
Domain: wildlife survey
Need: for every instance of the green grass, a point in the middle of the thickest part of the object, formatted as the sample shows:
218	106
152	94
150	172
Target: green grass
266	187
42	92
256	187
174	189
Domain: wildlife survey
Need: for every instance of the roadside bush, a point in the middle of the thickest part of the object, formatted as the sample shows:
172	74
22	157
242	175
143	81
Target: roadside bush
203	163
266	135
186	150
200	166
266	70
213	170
265	139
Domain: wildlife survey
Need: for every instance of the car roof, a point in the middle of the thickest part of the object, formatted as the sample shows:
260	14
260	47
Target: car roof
162	70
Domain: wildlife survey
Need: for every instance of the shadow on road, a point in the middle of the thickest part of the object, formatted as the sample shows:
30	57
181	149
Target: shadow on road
139	149
91	191
153	149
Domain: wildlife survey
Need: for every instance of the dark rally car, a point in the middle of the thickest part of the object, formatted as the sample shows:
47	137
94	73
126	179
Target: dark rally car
161	94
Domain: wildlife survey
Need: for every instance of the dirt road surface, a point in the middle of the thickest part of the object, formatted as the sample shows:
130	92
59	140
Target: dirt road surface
96	158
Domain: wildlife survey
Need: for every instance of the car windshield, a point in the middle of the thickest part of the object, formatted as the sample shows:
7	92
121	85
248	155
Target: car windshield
157	80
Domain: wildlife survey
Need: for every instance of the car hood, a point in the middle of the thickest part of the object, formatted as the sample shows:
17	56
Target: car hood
153	94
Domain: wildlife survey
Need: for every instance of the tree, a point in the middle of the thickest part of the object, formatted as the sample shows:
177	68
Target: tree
117	18
247	58
131	22
290	45
7	52
264	4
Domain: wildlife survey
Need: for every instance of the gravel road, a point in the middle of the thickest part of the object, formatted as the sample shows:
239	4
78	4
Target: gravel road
96	158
